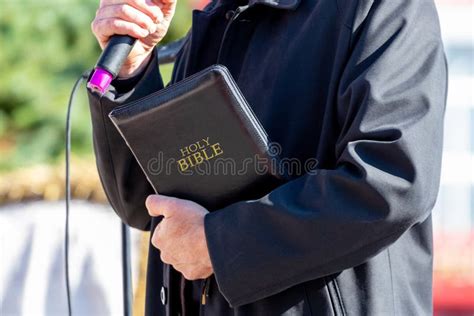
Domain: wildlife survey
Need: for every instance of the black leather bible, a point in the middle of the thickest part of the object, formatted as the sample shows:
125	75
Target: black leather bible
199	140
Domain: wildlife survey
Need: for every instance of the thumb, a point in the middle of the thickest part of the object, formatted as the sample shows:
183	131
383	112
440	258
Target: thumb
168	8
161	205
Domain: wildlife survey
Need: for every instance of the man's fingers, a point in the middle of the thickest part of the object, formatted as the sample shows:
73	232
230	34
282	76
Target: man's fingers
167	6
129	14
163	205
156	237
164	2
147	7
104	28
159	238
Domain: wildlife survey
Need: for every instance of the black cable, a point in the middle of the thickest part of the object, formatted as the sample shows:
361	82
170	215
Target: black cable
126	272
84	76
126	256
126	264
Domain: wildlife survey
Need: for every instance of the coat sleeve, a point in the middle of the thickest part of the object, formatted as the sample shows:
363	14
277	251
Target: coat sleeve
124	183
390	109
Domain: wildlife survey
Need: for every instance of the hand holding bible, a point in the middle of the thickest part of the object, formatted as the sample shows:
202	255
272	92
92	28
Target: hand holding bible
180	235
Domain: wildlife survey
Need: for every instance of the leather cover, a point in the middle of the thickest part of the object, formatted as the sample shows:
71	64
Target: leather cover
199	140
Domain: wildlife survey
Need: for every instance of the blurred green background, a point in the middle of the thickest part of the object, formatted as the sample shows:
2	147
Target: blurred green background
44	46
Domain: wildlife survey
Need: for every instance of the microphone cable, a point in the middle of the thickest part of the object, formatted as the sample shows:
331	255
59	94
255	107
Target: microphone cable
77	84
126	255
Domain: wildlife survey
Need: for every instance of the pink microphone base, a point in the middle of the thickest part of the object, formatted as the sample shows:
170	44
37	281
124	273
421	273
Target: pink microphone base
100	80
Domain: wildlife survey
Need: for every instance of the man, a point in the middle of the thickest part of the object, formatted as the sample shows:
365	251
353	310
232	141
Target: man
358	85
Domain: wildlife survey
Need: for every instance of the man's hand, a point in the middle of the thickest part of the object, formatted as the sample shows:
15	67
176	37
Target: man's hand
180	235
146	20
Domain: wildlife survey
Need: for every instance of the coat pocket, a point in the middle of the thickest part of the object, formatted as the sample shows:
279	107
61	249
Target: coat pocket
335	295
291	302
323	297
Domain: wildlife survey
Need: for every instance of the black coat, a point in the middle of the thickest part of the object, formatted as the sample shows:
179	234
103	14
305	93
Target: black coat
358	85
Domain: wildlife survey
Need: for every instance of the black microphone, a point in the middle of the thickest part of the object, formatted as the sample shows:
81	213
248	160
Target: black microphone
110	62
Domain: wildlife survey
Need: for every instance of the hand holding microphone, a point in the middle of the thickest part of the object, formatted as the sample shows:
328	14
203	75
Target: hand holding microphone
142	24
